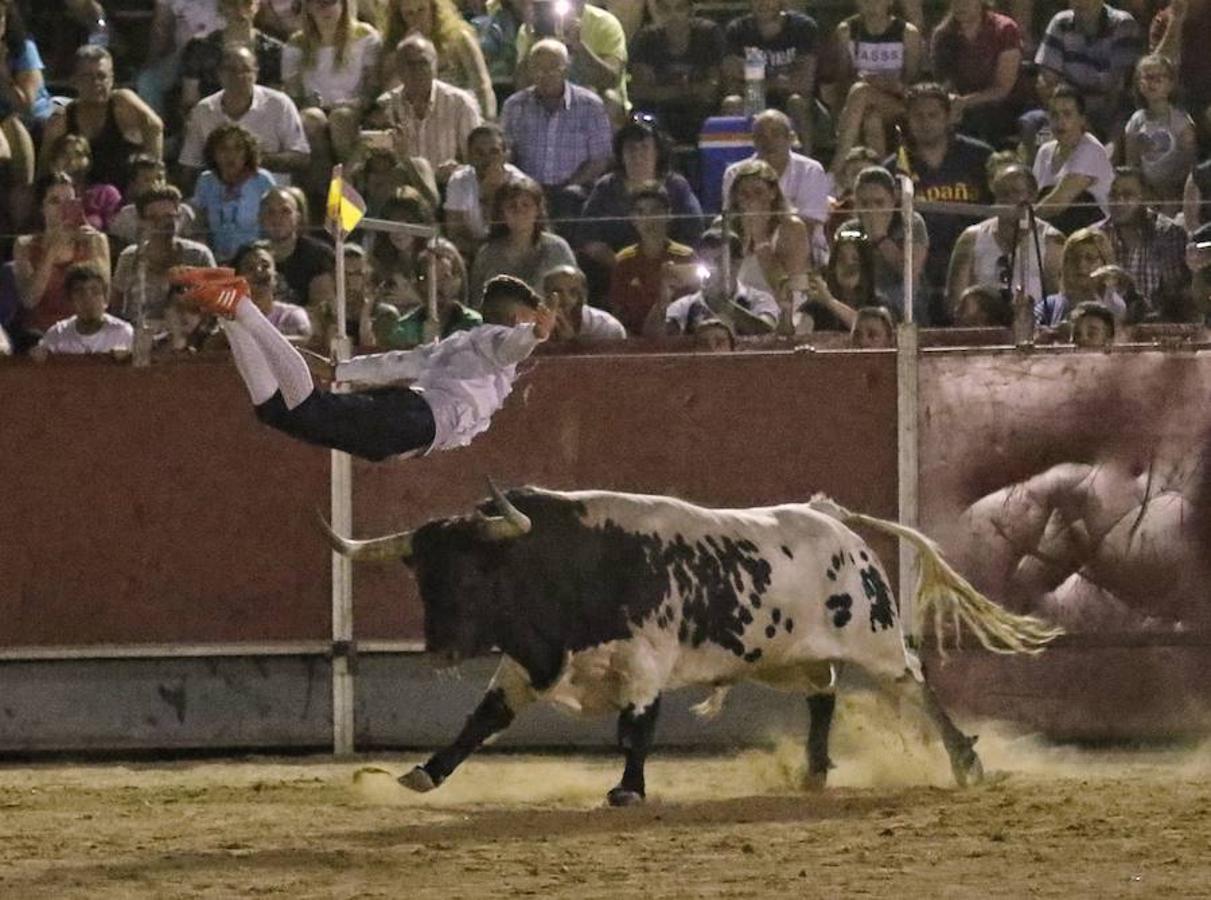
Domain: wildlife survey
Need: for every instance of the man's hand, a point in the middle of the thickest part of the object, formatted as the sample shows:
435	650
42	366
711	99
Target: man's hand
544	322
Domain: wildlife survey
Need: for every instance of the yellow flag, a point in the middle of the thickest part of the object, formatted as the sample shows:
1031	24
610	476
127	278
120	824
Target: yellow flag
345	205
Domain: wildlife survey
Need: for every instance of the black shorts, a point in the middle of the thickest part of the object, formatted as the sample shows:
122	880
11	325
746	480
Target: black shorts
371	424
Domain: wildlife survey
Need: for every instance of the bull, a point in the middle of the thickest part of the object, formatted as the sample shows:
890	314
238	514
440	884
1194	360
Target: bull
604	601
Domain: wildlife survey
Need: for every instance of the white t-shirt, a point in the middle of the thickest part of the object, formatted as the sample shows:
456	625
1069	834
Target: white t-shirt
464	378
272	117
289	319
1088	158
462	195
335	85
599	325
62	337
804	183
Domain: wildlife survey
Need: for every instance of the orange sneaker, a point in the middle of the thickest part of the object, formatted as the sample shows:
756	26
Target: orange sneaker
217	295
194	276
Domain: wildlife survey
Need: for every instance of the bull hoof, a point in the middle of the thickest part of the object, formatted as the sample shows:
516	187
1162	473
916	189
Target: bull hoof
622	797
814	782
970	774
418	780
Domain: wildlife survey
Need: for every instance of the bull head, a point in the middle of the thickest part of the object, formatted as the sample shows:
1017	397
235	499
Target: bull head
513	524
391	546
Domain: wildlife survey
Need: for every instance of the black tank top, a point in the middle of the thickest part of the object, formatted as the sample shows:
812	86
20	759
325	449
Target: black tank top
876	54
111	150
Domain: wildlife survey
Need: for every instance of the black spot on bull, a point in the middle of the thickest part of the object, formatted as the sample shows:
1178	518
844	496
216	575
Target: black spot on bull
840	604
875	588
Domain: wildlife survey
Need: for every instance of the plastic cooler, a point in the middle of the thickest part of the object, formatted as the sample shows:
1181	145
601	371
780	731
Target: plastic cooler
722	141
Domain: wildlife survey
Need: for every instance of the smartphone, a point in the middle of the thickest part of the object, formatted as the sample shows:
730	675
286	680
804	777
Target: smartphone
379	140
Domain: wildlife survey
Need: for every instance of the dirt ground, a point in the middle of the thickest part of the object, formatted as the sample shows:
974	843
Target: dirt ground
1050	822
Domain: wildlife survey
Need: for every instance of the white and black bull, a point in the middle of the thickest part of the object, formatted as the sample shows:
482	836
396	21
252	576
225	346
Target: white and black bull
603	601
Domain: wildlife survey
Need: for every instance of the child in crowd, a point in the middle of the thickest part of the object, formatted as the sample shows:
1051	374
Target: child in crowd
1160	137
91	329
873	329
459	382
1092	326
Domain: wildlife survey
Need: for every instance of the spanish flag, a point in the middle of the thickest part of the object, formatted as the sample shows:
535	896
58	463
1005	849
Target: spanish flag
345	205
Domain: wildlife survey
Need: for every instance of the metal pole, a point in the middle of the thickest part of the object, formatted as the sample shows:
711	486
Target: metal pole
433	327
907	411
342	521
726	259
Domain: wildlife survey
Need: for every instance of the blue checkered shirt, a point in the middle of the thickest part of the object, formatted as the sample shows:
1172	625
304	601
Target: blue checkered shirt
551	146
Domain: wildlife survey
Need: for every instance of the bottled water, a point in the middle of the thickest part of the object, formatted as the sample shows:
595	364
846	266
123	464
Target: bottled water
754	80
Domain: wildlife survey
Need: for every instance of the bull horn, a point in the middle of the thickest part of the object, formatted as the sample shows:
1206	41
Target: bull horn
391	546
513	524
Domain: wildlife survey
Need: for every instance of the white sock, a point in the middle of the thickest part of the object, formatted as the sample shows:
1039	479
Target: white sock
250	362
288	366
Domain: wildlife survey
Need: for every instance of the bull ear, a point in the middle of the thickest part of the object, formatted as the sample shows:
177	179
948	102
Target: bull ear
512	524
391	546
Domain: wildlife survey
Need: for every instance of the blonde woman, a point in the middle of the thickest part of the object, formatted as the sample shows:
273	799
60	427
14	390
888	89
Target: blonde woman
774	239
330	69
1085	251
460	61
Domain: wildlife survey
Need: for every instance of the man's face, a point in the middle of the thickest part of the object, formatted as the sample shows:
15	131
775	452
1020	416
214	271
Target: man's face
1013	190
1126	200
238	72
94	79
279	218
416	69
1091	331
565	291
771	138
258	267
485	151
928	122
871	333
548	69
355	274
650	218
89	299
160	218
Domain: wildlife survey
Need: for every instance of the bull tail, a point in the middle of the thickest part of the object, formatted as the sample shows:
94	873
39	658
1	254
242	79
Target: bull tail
941	591
712	705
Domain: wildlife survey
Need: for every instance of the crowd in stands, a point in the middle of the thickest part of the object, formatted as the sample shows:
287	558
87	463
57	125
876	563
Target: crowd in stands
1059	156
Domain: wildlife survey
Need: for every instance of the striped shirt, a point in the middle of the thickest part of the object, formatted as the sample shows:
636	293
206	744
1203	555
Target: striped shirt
550	146
1097	63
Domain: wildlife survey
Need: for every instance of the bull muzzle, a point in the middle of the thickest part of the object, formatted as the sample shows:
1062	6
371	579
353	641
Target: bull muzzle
391	546
513	523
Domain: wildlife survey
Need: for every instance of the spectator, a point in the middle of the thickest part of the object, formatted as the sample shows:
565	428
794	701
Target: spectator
70	155
774	239
472	189
304	264
676	69
873	329
90	329
497	29
1149	246
1084	251
803	181
841	204
159	251
880	221
146	172
460	62
566	291
519	243
1073	169
330	68
1179	32
559	131
713	335
1034	125
746	309
267	114
977	55
378	174
432	119
24	103
1092	326
1002	252
788	42
393	266
641	156
281	18
945	167
595	49
832	299
203	57
1160	137
1092	48
228	195
365	314
1196	201
117	123
254	261
453	312
174	24
41	261
637	280
880	56
982	306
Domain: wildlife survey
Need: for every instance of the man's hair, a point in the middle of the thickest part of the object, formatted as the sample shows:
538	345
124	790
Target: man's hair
155	194
82	273
565	270
713	238
423	44
876	175
927	90
1015	170
502	290
92	53
550	45
992	303
881	313
488	129
1096	309
1067	91
295	195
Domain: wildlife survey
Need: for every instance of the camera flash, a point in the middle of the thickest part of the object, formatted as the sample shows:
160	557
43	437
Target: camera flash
562	8
704	273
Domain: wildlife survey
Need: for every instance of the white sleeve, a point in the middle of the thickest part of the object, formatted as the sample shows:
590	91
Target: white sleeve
815	195
292	136
385	368
460	190
1090	160
191	149
505	346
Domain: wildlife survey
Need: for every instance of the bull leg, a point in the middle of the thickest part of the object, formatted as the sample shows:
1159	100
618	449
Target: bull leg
820	709
635	731
964	763
507	695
